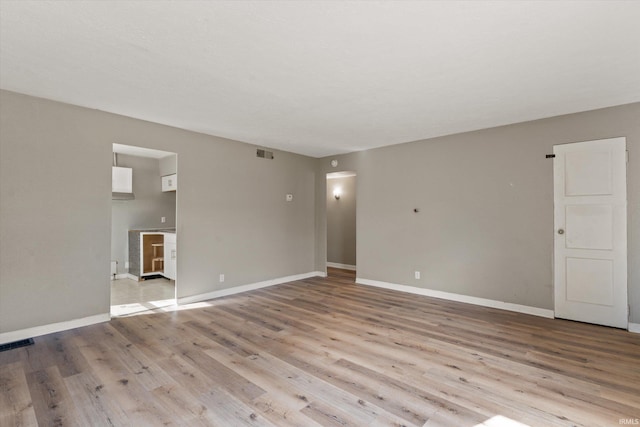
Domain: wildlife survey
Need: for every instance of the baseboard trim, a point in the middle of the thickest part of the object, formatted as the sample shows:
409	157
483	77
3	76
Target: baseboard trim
634	327
459	298
36	331
342	266
248	287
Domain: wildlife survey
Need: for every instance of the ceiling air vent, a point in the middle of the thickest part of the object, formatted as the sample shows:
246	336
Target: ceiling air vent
264	154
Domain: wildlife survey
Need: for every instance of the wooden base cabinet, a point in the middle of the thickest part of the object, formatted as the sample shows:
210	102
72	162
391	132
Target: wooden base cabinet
152	253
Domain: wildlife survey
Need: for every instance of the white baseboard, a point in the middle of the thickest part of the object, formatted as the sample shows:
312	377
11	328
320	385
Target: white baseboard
7	337
249	287
343	266
460	298
634	327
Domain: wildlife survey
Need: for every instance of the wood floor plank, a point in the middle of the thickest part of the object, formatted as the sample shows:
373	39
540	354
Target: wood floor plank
273	381
513	351
226	379
180	400
15	399
327	415
119	384
93	403
325	351
231	411
51	399
444	394
65	354
301	387
310	387
402	403
187	375
282	415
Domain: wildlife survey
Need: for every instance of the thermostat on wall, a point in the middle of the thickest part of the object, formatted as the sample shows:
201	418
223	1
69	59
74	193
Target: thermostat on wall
334	163
289	197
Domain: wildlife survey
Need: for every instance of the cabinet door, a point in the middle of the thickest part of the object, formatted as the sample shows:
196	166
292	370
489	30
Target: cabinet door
170	257
121	180
170	182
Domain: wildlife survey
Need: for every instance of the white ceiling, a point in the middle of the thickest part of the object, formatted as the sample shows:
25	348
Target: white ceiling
324	77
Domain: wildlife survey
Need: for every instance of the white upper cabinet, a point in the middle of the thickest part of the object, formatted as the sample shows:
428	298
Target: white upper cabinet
121	180
170	182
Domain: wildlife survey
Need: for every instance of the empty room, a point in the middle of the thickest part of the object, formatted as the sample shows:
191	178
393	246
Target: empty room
319	213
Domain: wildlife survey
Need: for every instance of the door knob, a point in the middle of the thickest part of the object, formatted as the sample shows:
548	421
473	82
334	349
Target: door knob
560	231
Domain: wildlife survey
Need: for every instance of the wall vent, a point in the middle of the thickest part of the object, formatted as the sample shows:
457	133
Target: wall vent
264	154
16	344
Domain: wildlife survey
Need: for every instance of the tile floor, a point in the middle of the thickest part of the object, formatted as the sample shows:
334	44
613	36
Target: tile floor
129	296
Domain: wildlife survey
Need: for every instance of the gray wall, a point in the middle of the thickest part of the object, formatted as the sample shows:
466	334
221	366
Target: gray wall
341	221
485	226
55	201
146	210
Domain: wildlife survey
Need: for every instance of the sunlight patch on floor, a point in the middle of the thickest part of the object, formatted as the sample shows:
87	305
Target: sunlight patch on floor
137	307
151	307
501	421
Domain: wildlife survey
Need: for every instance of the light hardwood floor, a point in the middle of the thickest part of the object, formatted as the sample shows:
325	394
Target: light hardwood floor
325	352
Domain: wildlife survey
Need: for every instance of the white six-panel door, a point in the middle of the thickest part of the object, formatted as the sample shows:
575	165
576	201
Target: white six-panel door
590	215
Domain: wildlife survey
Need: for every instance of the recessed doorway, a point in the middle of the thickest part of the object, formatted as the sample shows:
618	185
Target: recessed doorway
341	221
143	230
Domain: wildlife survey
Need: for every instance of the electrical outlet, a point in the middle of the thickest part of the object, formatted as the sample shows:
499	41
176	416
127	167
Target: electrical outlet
163	219
221	278
416	274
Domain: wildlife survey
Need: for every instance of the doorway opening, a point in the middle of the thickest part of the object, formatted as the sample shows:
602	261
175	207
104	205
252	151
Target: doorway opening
341	224
143	229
